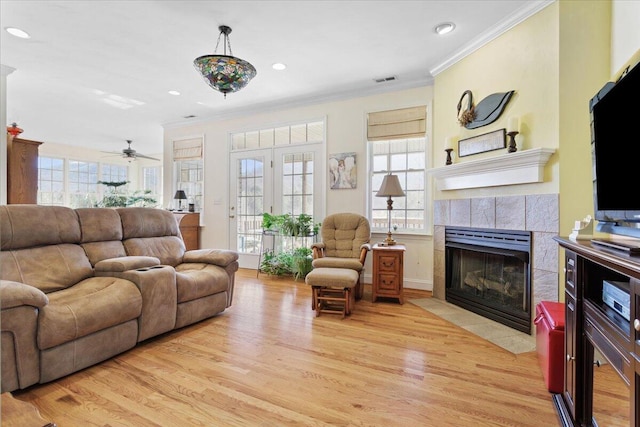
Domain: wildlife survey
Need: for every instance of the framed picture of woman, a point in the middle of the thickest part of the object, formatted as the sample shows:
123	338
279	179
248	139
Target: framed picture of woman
342	171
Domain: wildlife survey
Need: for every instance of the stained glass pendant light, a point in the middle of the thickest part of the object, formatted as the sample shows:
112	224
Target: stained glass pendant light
225	73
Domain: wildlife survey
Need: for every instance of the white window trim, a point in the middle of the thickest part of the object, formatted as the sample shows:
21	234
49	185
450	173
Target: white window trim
428	226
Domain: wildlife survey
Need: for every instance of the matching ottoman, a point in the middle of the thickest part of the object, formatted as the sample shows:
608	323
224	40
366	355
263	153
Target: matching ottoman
333	289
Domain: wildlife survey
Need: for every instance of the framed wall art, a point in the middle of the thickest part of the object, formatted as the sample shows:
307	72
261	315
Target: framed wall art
342	171
481	143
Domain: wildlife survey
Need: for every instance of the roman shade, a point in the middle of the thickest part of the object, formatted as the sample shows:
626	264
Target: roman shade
397	124
187	149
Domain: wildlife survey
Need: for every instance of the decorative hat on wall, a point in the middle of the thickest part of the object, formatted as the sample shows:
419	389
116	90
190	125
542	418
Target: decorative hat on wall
486	112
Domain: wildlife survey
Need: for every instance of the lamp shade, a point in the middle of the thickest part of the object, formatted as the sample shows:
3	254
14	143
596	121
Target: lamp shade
224	73
180	195
390	187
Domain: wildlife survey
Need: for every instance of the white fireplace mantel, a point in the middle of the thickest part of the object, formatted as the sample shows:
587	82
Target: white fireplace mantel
521	167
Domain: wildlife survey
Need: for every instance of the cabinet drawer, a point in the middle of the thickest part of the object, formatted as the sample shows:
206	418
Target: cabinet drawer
387	262
388	282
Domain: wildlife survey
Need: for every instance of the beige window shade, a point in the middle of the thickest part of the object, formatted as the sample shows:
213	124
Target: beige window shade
397	124
187	149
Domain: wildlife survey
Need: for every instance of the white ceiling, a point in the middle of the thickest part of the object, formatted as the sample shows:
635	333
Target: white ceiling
97	72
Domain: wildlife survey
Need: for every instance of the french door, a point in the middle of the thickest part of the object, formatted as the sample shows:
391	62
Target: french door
275	180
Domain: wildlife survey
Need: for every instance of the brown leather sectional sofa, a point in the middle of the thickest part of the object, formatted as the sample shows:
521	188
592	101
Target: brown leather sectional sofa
78	286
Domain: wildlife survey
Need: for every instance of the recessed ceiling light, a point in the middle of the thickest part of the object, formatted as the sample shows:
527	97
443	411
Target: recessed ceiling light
174	92
279	66
17	32
444	28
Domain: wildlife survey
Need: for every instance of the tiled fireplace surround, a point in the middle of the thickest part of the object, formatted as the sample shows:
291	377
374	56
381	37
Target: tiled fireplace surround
535	213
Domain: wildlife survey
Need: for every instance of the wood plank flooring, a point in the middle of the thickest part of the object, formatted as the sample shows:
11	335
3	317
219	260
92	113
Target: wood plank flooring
268	361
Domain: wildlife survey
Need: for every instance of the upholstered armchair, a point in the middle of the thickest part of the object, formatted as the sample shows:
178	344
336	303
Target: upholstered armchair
344	244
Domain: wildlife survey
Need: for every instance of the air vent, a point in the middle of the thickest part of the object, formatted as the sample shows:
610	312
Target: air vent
190	116
385	79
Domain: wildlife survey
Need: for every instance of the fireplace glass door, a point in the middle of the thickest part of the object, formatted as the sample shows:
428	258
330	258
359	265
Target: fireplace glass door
492	282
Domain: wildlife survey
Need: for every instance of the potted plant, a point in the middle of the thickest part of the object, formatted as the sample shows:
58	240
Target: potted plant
301	262
276	264
297	226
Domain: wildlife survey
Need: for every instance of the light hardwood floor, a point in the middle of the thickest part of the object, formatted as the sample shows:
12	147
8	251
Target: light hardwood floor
268	361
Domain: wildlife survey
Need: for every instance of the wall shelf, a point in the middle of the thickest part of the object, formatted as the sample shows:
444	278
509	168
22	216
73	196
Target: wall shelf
521	167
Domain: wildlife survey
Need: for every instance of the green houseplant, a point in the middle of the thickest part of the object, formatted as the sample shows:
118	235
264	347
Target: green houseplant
301	262
116	199
295	262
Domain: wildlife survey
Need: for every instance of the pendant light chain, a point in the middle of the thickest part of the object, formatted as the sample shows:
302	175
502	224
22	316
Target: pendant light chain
217	43
228	43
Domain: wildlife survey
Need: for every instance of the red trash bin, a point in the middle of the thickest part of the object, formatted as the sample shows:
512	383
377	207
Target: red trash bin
549	323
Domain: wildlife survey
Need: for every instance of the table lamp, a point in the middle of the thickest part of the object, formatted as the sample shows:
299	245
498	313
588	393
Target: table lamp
390	188
180	196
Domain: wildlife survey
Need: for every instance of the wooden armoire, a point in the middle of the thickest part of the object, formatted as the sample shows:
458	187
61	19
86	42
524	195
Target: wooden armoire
22	170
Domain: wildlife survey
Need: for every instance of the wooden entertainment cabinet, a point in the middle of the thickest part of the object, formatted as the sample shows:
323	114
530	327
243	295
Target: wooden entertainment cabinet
591	324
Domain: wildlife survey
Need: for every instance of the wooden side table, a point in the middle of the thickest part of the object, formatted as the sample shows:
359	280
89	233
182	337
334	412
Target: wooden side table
388	272
189	224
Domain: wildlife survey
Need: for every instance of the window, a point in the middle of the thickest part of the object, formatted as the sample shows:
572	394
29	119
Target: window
297	183
74	183
113	173
188	169
397	145
50	181
152	181
190	179
82	184
406	159
283	135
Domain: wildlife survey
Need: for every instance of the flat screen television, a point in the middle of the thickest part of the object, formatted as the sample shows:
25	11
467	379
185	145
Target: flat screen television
615	153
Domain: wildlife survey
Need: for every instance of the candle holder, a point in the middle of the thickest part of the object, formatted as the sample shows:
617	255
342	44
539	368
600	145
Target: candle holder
448	150
512	141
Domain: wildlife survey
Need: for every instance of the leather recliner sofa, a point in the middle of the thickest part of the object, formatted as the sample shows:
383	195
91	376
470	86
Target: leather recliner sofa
79	286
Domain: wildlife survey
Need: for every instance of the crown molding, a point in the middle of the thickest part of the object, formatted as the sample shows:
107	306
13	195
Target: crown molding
302	101
497	30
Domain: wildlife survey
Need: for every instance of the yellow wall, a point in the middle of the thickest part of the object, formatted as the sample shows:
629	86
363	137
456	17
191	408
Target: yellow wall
556	61
584	65
524	59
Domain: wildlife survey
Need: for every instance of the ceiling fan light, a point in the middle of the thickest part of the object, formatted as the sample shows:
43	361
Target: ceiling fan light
225	73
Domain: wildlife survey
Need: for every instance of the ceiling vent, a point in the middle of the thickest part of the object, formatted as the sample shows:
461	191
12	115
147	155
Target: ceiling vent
385	79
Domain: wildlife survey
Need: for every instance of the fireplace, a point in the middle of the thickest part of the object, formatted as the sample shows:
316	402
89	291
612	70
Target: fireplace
488	272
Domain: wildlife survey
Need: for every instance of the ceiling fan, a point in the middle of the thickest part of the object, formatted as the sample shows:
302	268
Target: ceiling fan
131	154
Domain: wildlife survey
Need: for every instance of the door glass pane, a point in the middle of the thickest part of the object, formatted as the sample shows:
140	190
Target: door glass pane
297	183
250	191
